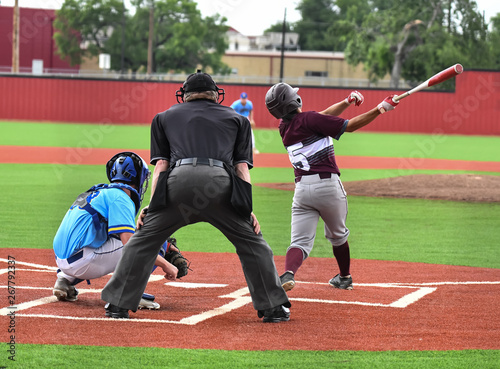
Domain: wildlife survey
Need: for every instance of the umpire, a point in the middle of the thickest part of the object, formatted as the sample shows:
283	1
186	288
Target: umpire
202	152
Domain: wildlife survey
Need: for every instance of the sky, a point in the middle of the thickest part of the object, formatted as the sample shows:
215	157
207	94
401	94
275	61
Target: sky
249	17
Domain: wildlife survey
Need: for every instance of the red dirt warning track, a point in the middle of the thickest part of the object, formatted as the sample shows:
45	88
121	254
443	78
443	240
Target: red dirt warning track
394	306
95	156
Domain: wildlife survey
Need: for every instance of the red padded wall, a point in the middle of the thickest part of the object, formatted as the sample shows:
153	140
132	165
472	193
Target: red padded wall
472	109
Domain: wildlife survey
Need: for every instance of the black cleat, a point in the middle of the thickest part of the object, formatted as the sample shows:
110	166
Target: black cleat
344	283
275	315
115	312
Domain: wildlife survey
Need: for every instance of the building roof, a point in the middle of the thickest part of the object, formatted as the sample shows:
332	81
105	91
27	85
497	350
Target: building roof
290	54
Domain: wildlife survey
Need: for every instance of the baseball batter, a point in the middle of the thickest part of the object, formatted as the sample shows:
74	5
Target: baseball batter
308	138
92	235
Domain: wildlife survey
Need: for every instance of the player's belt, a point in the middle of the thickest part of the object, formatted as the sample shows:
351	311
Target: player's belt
75	257
200	161
321	176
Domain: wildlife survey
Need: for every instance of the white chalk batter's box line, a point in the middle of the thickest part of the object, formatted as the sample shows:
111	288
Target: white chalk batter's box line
239	297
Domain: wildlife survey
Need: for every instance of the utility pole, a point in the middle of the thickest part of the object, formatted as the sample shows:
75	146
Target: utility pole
282	60
122	61
150	39
15	39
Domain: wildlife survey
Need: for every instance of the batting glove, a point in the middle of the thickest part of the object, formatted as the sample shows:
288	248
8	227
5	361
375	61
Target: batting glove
355	97
387	104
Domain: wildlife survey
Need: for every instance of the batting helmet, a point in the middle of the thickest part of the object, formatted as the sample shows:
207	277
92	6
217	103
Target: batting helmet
282	99
199	82
129	168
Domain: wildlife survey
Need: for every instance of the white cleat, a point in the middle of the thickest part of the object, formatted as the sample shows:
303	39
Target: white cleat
147	304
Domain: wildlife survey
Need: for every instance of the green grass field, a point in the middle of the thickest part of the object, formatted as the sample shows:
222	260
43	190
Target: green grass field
35	198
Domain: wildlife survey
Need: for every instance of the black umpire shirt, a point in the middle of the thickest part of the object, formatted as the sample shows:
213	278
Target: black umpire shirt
202	129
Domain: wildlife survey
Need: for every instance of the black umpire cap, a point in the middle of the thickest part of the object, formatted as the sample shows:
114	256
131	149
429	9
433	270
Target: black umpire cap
199	82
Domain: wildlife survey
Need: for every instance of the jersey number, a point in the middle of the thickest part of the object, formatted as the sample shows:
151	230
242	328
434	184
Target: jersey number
297	158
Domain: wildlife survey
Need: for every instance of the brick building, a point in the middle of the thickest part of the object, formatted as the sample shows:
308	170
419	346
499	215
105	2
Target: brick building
36	40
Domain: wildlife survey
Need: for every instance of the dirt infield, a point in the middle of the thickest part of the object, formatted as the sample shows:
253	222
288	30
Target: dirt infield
454	187
393	306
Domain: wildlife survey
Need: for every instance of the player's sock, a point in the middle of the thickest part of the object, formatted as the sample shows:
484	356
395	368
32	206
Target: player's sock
343	257
293	260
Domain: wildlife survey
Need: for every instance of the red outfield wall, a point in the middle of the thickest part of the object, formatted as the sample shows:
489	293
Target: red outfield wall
472	109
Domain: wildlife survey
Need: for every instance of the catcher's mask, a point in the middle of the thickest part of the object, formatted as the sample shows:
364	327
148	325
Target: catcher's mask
282	99
129	168
199	82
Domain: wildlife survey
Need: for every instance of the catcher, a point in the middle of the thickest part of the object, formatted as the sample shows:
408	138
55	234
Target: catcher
92	235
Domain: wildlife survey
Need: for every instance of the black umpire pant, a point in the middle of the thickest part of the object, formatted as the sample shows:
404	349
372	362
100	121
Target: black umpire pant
195	194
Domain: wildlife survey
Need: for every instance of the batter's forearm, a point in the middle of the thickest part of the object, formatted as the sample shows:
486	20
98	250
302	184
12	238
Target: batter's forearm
362	120
336	109
161	166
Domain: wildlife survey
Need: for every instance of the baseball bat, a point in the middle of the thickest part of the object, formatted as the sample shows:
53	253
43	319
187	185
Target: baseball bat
440	77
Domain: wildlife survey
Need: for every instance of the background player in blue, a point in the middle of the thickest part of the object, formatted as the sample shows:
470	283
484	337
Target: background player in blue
91	237
307	136
244	107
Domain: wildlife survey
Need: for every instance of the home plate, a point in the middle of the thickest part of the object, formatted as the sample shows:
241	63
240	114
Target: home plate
195	285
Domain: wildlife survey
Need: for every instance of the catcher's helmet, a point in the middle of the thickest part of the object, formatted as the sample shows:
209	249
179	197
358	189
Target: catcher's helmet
282	99
129	168
199	82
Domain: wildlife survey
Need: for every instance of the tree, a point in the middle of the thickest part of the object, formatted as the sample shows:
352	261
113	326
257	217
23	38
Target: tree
494	41
183	40
317	17
87	22
415	39
405	39
323	24
278	27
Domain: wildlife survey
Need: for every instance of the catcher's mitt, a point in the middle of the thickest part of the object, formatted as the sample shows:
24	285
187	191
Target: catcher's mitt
176	258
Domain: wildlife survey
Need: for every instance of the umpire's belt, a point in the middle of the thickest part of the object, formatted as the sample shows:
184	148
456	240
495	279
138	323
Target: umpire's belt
75	257
200	161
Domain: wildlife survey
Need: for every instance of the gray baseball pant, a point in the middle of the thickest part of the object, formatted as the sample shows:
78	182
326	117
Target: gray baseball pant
315	197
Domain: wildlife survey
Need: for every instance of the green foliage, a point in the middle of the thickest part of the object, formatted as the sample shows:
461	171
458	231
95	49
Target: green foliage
278	27
317	17
183	40
494	41
87	22
405	39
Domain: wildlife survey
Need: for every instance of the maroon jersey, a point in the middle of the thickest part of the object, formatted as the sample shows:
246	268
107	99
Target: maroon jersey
308	140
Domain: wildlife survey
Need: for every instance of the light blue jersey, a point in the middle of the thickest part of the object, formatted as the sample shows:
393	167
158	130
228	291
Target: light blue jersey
242	109
78	229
